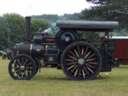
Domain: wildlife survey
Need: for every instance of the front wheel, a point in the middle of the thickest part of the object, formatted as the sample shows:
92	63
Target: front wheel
81	61
22	67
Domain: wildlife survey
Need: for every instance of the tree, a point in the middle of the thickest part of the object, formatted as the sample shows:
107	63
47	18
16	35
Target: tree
47	17
97	1
39	25
12	29
3	34
16	28
108	10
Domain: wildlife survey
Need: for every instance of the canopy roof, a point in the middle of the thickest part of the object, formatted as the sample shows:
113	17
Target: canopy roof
87	25
119	37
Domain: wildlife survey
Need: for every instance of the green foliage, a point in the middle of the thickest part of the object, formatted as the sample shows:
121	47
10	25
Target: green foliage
3	33
49	18
12	29
111	10
39	25
16	28
89	37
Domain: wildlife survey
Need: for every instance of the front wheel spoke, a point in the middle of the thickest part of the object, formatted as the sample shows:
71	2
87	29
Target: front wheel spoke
30	72
20	75
17	75
17	70
18	62
15	63
22	60
27	73
29	68
23	75
15	66
27	62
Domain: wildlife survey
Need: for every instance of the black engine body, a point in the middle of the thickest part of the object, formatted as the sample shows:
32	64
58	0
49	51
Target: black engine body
67	50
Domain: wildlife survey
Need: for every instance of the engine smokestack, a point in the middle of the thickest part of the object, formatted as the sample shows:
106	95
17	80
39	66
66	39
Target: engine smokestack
28	36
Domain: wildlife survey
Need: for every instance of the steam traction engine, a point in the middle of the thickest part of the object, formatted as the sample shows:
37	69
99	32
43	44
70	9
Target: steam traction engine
79	58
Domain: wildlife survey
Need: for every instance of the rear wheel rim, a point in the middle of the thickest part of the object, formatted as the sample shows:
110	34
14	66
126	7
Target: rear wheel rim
81	61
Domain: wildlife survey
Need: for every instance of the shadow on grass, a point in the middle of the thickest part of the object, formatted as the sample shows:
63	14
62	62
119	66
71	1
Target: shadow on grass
44	78
123	67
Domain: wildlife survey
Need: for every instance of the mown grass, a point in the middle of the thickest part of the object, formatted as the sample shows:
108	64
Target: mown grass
52	82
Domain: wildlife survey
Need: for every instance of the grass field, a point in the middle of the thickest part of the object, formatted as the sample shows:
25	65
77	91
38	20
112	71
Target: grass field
52	82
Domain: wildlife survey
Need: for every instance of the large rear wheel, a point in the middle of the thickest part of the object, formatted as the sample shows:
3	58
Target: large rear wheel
81	61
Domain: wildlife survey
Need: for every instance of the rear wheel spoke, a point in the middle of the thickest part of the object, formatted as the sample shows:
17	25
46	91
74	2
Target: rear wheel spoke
90	70
91	59
69	60
86	50
77	54
82	51
90	66
72	57
92	55
76	72
71	63
78	50
83	73
86	56
71	66
93	63
74	68
72	53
